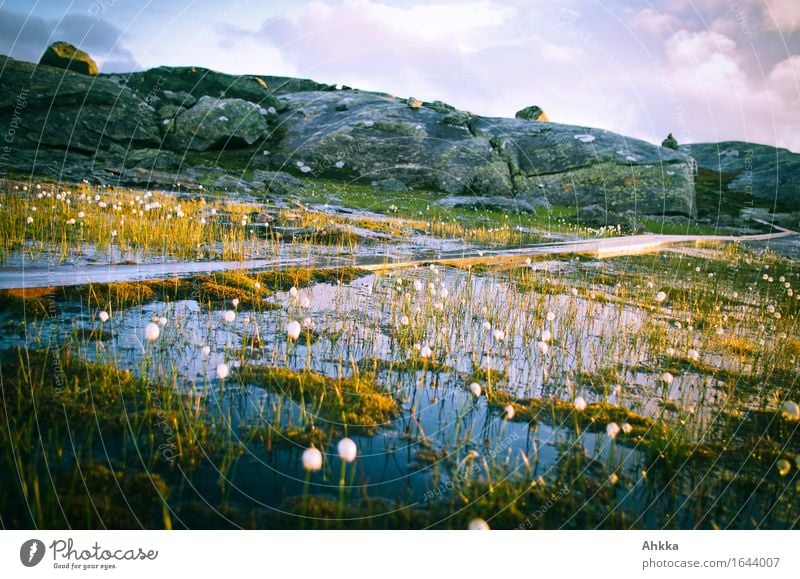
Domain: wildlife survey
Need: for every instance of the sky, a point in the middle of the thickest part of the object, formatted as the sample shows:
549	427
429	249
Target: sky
705	70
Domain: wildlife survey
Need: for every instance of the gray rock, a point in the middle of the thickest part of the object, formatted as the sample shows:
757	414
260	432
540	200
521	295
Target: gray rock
507	204
277	182
493	179
231	183
380	137
424	146
766	173
159	159
169	111
593	215
180	99
456	119
215	123
167	180
391	184
75	112
440	107
571	165
670	142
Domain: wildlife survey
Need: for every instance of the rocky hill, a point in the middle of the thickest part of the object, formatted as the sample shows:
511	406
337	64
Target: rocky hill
755	174
194	126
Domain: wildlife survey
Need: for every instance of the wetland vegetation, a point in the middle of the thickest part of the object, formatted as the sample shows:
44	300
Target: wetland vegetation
646	391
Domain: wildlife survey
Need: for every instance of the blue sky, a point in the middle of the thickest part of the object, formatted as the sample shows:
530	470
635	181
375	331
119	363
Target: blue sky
706	70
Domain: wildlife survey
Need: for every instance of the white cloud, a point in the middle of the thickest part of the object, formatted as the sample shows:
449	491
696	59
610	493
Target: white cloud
721	101
708	58
784	80
782	14
654	23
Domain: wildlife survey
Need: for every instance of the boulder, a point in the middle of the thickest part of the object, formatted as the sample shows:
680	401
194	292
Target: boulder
217	123
381	137
493	179
74	112
277	182
159	159
531	113
395	185
670	142
179	99
64	55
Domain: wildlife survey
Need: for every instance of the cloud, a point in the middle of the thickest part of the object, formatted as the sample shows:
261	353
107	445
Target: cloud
709	58
654	23
26	37
721	101
784	80
369	38
783	15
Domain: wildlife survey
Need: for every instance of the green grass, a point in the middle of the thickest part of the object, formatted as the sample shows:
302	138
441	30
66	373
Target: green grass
344	405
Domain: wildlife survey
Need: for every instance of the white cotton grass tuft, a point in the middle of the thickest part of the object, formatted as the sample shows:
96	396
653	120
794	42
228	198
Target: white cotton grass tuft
206	350
229	316
293	330
613	478
347	450
151	332
103	316
661	296
293	292
550	316
542	347
790	410
478	525
162	321
475	388
667	378
547	335
509	412
498	334
425	351
312	459
222	370
612	430
693	355
235	302
627	428
580	403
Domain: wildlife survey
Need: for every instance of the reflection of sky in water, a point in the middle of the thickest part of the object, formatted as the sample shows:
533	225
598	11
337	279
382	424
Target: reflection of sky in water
358	321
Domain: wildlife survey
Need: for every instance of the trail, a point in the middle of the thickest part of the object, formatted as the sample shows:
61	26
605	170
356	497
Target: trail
13	278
